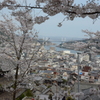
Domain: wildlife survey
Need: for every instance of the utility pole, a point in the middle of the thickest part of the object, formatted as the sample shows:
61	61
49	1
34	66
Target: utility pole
78	71
78	61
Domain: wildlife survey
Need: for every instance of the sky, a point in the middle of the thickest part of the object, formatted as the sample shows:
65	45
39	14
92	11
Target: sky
68	29
72	29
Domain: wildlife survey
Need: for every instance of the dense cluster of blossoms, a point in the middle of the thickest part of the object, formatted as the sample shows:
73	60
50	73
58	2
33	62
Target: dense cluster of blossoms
40	19
95	91
81	95
52	7
11	4
70	9
94	44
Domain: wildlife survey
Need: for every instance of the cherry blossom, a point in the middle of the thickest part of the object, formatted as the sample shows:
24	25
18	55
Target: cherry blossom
20	46
78	95
40	19
93	90
67	7
98	93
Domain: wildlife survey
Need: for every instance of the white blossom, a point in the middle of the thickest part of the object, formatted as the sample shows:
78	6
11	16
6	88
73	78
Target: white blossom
93	90
79	95
40	19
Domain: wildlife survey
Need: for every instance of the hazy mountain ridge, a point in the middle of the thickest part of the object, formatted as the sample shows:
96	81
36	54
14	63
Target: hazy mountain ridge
59	38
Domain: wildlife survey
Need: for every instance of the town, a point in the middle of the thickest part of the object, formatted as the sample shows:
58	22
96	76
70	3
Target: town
57	75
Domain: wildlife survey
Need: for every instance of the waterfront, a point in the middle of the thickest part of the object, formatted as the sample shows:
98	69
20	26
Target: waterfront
60	49
59	40
63	49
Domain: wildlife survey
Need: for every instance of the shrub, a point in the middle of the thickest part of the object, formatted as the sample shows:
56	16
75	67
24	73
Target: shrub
20	97
50	97
69	98
29	93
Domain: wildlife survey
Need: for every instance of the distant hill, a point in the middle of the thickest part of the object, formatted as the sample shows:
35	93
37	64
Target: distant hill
59	38
82	40
69	44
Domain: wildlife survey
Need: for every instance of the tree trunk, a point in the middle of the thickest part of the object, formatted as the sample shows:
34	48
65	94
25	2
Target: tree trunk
15	83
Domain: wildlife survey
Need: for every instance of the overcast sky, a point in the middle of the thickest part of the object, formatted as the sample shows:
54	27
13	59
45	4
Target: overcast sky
70	28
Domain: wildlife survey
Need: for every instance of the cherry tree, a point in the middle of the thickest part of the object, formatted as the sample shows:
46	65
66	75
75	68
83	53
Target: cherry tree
69	8
19	43
94	40
91	47
92	44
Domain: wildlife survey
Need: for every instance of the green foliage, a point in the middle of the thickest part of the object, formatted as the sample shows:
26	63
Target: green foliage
69	98
64	81
27	93
50	97
48	86
20	97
